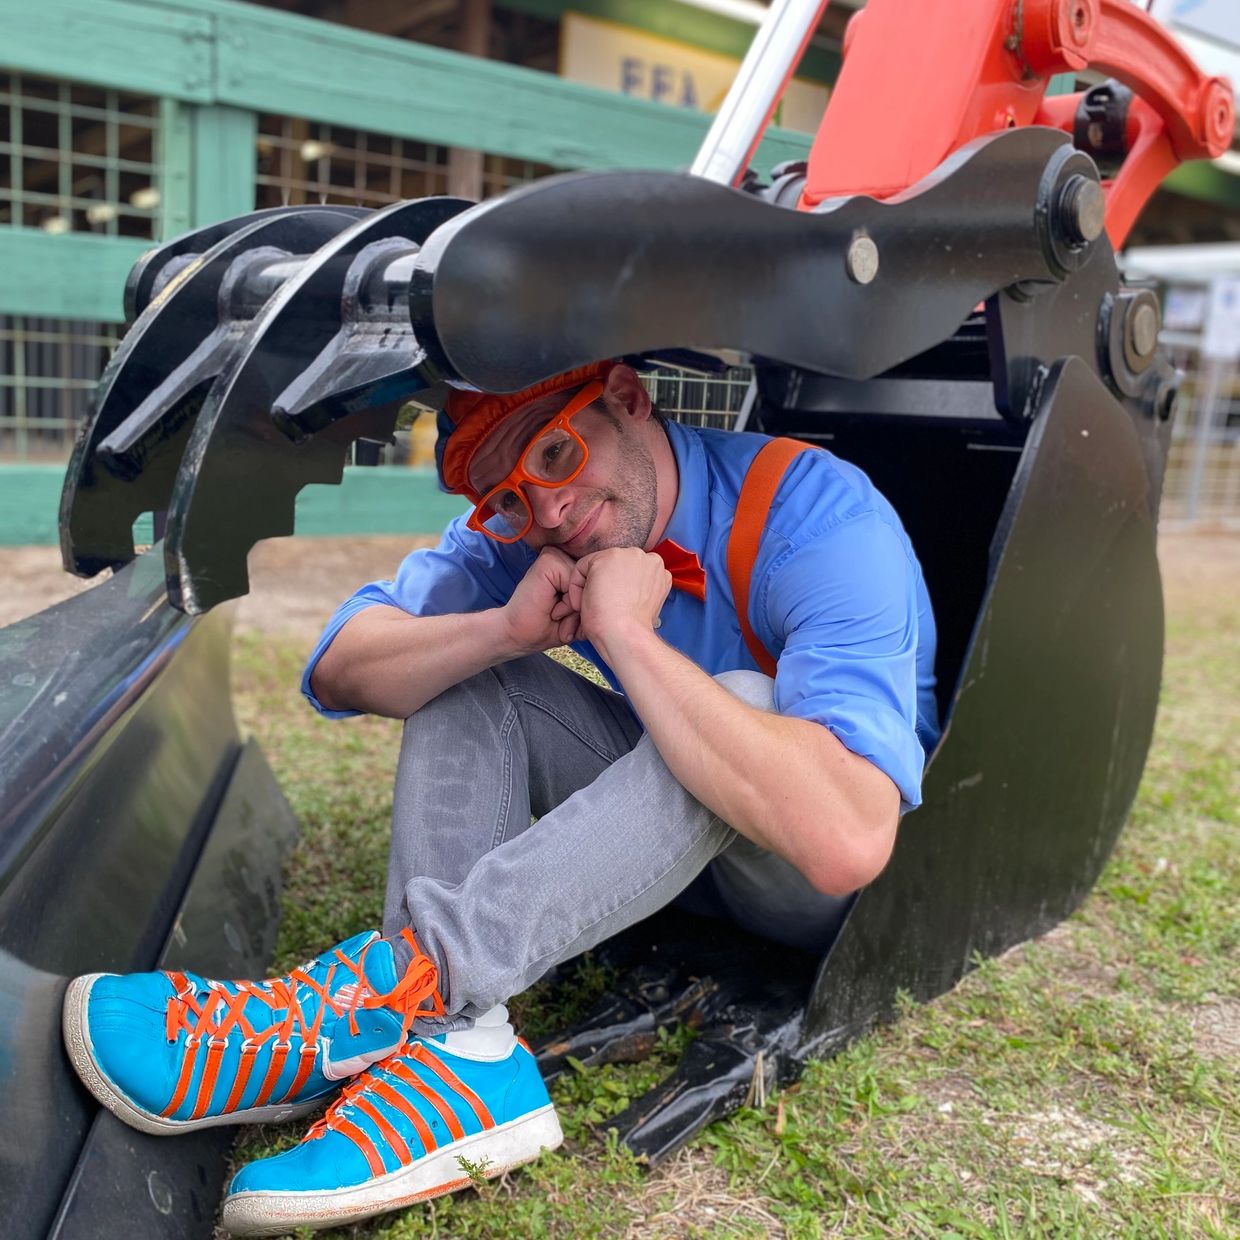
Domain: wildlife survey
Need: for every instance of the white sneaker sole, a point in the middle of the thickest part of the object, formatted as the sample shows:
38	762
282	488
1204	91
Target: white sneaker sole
82	1054
520	1141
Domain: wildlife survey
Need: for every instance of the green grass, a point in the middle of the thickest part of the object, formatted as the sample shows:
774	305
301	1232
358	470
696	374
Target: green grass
1083	1085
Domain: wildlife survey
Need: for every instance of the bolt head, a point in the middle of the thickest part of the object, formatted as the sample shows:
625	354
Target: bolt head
1218	116
862	260
1074	22
1083	210
1144	329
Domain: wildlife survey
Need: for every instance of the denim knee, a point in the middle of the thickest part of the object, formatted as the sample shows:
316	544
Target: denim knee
751	687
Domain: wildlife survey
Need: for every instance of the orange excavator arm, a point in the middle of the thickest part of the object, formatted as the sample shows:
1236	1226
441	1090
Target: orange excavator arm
919	81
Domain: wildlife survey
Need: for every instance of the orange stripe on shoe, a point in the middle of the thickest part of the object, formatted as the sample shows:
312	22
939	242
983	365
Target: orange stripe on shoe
244	1069
449	1078
187	1071
442	1107
390	1135
210	1074
279	1055
373	1159
409	1111
308	1056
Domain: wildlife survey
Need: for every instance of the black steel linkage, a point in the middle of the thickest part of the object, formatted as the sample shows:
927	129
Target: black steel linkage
153	271
603	264
240	472
195	308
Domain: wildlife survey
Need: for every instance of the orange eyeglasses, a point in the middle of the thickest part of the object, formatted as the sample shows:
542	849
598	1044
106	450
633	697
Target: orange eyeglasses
555	456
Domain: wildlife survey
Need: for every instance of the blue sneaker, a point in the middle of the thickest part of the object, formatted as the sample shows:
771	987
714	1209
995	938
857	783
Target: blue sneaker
171	1052
421	1123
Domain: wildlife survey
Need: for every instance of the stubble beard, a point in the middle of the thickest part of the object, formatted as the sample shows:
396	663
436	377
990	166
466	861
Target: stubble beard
633	497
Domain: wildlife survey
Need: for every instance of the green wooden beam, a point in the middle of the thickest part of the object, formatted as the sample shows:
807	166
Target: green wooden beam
1062	84
29	504
272	61
176	168
267	60
380	499
684	23
152	48
73	276
387	499
223	163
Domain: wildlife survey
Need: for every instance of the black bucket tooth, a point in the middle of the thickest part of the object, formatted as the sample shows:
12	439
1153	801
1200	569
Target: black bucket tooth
753	1048
623	1026
155	383
677	968
241	472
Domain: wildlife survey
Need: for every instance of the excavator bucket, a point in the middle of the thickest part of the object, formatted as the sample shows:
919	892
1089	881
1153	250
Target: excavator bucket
942	308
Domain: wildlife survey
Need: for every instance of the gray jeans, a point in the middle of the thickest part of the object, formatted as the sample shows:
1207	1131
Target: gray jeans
497	901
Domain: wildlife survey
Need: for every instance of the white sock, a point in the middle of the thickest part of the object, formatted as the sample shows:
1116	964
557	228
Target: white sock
492	1037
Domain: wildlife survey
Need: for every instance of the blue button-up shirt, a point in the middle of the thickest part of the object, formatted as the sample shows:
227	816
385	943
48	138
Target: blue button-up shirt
837	596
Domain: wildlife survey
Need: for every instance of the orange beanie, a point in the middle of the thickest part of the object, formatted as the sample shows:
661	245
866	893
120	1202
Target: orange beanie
469	417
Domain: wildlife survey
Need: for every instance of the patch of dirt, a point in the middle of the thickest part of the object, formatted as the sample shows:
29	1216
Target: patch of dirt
1216	1029
31	579
1061	1143
689	1194
1085	973
950	1091
1199	565
295	583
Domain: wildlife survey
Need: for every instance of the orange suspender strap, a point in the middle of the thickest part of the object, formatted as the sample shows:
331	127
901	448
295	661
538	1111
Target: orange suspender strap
761	483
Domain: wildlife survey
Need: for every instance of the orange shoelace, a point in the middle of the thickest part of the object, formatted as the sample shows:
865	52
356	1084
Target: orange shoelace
210	1015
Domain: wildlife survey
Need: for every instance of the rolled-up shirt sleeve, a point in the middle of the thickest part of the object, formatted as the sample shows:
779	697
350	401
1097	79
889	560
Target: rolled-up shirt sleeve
843	607
465	572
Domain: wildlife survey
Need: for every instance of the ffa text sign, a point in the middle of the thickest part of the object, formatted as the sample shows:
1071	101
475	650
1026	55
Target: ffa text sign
601	53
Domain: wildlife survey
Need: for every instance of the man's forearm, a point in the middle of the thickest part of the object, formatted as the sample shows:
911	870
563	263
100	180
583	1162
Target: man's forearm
387	662
785	783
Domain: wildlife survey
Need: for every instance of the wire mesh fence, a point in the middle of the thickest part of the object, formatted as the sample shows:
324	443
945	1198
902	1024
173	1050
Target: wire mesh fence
1202	484
78	158
48	372
299	161
697	399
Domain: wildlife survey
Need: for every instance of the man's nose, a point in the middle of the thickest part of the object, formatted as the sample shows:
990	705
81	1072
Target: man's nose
548	505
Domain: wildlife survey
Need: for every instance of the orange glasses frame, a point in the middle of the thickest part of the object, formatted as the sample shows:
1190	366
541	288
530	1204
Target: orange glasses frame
520	475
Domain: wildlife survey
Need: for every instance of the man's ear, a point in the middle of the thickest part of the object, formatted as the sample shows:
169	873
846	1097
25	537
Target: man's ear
625	394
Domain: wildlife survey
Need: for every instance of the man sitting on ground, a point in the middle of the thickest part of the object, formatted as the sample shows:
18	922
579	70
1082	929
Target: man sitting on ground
775	798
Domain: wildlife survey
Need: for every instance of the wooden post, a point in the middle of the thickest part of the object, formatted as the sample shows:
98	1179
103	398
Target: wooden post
464	164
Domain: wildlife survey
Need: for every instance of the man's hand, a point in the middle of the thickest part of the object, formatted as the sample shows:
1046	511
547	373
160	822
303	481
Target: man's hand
537	616
617	593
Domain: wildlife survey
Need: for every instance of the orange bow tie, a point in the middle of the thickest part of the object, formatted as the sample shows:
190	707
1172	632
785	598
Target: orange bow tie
686	569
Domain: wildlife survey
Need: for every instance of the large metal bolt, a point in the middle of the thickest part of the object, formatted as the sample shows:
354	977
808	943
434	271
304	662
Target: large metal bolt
862	259
1144	329
1082	210
1142	321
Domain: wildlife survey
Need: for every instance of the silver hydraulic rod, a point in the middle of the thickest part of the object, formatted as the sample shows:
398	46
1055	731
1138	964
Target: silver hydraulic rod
771	60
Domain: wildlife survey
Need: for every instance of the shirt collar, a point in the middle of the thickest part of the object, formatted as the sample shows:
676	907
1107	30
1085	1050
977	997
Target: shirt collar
690	517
